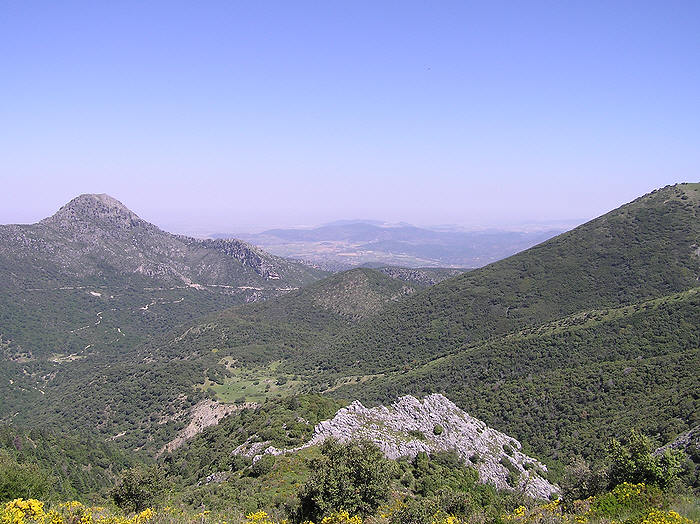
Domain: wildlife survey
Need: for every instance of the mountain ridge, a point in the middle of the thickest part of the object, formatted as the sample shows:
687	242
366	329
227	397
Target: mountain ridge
644	249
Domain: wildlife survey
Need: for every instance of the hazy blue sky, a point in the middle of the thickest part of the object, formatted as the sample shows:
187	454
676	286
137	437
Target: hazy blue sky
231	115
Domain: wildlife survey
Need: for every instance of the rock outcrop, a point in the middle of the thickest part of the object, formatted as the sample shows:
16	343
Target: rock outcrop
683	442
410	426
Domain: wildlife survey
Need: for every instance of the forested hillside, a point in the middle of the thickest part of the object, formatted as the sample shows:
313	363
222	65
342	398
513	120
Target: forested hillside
568	386
645	249
564	347
139	393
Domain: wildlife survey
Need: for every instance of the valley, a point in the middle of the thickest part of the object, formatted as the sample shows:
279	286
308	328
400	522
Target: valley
347	244
217	366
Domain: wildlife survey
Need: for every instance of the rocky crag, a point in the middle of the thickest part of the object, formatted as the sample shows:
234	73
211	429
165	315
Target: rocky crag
410	426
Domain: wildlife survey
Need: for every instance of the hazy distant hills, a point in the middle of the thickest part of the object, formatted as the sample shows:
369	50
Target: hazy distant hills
346	243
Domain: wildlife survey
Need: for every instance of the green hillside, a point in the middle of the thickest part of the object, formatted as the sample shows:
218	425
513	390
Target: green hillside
287	326
49	464
645	249
562	347
139	393
568	386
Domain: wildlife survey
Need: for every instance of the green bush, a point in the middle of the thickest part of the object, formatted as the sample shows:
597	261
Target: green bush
581	481
634	462
138	488
416	434
353	477
438	429
263	465
22	480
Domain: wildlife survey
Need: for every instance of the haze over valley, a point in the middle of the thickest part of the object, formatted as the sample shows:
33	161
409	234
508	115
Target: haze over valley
345	244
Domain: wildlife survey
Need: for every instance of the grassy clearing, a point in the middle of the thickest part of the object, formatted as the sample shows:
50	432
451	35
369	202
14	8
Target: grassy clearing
245	384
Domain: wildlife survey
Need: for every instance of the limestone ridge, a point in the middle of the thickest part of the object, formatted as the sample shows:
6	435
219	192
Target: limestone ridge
684	442
410	426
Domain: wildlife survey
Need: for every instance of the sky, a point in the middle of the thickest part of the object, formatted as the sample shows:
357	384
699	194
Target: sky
236	116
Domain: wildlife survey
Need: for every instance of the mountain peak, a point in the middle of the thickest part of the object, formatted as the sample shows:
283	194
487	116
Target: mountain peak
94	208
100	198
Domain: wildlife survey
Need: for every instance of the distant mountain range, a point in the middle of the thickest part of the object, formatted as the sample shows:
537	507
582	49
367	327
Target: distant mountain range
344	244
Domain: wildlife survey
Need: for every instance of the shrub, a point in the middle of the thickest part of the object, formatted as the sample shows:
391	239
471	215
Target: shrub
352	477
22	480
263	465
625	499
138	488
414	433
438	429
580	481
239	462
633	462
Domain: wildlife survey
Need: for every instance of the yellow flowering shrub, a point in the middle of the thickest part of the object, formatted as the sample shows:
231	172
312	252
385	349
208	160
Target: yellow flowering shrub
20	511
550	512
657	516
624	499
342	518
259	517
443	518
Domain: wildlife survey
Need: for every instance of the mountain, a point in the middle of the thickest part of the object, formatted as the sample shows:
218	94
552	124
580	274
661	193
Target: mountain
280	328
591	315
568	386
95	272
96	237
560	346
550	345
346	243
564	345
80	290
643	250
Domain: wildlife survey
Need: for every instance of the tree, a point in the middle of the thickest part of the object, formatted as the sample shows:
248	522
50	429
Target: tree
24	480
352	477
634	462
581	480
138	488
263	465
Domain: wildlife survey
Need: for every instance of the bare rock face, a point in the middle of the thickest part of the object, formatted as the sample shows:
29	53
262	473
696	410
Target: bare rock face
410	426
684	441
204	414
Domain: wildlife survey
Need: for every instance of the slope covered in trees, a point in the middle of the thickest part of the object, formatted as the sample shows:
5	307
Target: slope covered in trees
645	249
568	386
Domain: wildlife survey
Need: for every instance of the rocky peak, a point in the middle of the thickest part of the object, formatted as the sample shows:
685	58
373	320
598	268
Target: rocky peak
95	209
